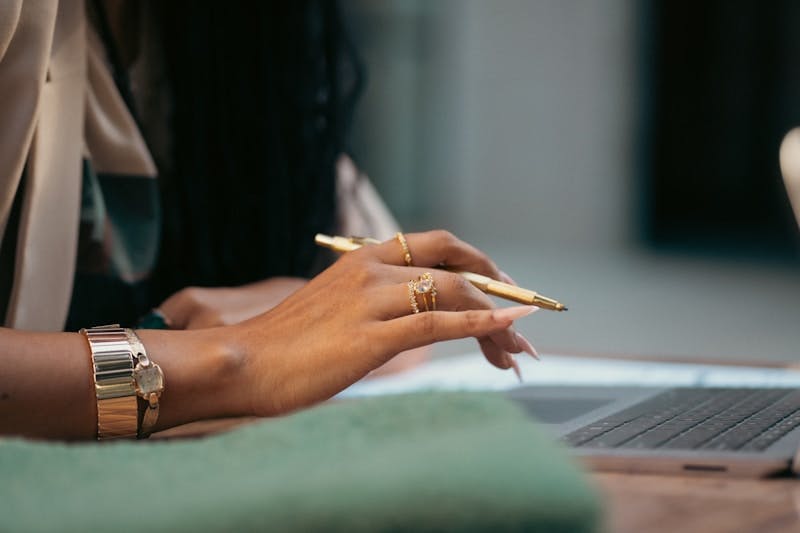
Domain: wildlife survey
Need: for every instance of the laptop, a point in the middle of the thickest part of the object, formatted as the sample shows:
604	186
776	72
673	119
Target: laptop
719	431
723	431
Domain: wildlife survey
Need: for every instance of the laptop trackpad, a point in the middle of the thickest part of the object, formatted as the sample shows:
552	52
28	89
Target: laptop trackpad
560	410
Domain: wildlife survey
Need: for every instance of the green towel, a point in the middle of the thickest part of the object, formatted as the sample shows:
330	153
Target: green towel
425	462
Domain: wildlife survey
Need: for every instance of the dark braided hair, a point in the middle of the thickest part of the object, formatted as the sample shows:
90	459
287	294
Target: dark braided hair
262	99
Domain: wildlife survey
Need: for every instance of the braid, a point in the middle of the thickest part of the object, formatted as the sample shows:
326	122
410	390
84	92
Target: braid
263	94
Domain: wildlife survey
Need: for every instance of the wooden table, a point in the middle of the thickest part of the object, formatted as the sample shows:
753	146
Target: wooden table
643	503
638	503
700	503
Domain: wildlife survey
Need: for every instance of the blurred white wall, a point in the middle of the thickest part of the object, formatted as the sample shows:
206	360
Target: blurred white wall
513	123
505	121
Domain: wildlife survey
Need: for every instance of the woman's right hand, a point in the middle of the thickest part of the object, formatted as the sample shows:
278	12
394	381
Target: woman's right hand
343	324
356	315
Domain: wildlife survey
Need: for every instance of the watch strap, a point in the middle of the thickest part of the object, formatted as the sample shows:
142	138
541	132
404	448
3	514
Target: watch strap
115	389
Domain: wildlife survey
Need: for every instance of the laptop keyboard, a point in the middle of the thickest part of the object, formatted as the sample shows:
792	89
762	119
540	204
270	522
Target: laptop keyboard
697	419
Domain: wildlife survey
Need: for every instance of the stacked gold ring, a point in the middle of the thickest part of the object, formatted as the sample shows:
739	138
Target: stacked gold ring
425	289
412	296
404	244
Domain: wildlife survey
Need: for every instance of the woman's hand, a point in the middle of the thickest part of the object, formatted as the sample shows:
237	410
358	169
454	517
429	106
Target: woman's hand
356	315
343	324
206	307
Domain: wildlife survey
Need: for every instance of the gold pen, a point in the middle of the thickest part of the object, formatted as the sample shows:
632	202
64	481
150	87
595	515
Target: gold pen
484	283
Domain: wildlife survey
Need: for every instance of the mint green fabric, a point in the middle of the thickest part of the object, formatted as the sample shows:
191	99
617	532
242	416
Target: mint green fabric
427	462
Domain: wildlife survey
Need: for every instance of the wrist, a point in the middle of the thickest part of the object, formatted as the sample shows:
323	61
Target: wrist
202	374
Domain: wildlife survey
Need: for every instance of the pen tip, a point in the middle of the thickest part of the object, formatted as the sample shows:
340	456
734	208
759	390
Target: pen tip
566	309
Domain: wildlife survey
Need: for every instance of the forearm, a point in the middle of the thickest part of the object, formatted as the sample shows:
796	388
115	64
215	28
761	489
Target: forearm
346	322
47	388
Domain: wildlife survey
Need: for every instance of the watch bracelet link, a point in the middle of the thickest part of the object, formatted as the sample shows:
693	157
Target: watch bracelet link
114	386
123	374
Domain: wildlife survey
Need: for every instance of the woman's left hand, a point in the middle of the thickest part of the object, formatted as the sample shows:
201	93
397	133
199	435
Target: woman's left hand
207	307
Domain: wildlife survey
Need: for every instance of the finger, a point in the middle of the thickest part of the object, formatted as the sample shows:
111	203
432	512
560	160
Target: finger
493	353
527	347
513	342
507	340
499	357
437	248
453	293
411	331
515	366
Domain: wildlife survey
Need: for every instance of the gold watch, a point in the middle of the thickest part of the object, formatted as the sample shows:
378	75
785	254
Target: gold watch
114	386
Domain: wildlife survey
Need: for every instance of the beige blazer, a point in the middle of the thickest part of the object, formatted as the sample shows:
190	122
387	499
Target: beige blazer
58	103
42	96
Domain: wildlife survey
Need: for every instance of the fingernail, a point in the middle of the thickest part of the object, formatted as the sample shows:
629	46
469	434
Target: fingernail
507	278
527	347
513	364
513	313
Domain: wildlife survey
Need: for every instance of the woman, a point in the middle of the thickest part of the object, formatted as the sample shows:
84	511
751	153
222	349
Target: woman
246	177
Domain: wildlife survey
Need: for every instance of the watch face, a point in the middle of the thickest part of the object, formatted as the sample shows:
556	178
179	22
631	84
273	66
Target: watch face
148	379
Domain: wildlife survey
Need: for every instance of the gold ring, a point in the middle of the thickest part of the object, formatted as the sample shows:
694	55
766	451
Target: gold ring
406	252
425	288
412	296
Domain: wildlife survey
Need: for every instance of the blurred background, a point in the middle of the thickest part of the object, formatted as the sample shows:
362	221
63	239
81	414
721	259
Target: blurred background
619	156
